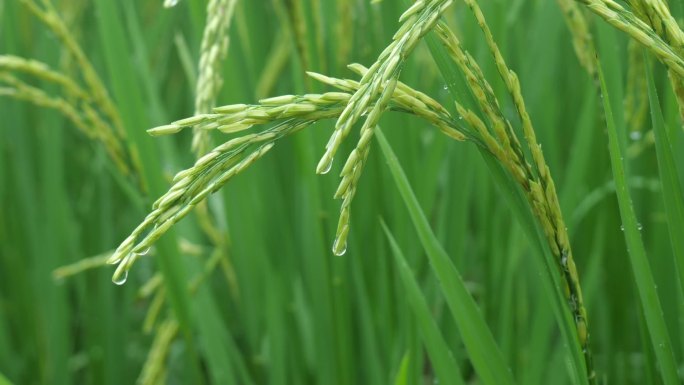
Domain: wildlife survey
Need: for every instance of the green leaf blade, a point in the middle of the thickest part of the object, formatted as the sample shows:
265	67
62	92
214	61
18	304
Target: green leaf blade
441	357
645	282
669	176
477	338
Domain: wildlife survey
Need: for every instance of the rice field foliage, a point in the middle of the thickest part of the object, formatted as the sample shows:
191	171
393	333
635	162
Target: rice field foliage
341	192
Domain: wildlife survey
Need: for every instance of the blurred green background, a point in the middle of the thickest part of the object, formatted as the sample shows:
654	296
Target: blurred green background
280	308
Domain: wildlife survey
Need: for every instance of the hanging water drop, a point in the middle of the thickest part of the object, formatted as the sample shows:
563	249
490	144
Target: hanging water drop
640	226
635	135
170	3
324	168
120	279
622	227
339	247
144	251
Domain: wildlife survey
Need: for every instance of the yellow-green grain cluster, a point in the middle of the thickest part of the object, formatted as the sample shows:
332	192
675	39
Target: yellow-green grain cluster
379	90
626	21
535	178
289	114
651	24
376	86
657	14
83	101
379	82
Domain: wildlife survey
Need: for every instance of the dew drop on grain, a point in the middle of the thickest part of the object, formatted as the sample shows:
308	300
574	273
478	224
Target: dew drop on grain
339	249
327	168
143	252
121	279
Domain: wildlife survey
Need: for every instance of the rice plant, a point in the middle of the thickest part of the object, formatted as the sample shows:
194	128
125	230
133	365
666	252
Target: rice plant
453	250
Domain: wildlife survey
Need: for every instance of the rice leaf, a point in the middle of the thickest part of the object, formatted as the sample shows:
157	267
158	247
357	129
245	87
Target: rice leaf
669	176
653	312
477	338
442	359
512	194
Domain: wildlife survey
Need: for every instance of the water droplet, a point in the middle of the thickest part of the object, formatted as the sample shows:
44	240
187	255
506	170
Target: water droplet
324	168
635	135
446	87
339	247
460	118
640	226
622	227
120	279
143	252
170	3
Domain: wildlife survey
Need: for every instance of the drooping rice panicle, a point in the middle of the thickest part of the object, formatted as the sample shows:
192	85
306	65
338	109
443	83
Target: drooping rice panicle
657	14
81	266
405	99
418	20
536	182
376	86
352	171
40	70
238	117
191	187
350	174
75	96
624	20
87	120
214	169
500	141
97	116
214	48
48	15
213	51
